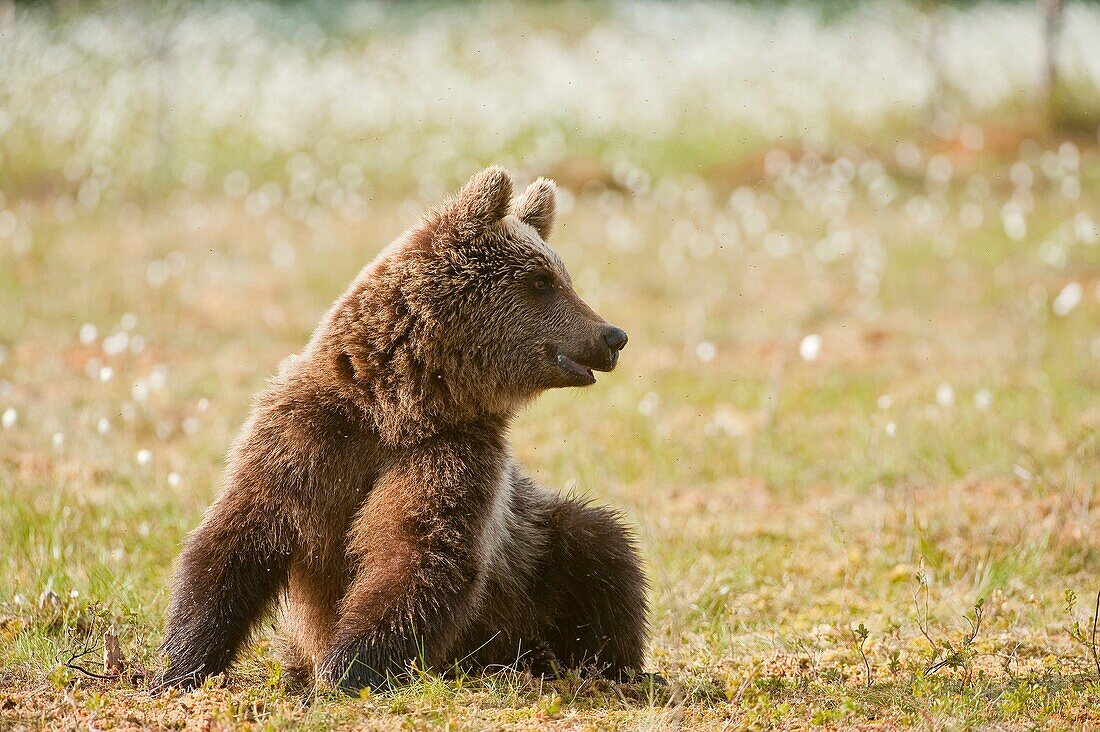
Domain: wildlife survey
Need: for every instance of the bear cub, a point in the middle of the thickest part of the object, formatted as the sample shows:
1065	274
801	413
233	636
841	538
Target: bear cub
372	494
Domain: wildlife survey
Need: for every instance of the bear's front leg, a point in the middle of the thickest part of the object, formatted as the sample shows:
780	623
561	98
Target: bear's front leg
232	569
417	550
390	621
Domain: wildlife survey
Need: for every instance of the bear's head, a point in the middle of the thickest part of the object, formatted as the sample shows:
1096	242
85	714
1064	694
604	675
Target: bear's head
471	313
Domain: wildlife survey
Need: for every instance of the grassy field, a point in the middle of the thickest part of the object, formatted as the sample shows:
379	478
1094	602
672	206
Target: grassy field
856	426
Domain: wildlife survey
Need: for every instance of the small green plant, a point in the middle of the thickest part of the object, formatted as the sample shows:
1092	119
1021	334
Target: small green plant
1077	633
551	705
895	661
861	634
944	653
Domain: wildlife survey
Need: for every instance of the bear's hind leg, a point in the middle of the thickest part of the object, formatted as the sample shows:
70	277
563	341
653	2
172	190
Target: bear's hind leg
594	591
528	653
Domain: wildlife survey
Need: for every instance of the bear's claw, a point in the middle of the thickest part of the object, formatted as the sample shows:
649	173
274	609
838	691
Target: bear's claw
359	666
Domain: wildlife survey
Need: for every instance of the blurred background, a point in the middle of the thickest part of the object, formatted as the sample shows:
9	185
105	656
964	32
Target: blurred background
855	245
337	103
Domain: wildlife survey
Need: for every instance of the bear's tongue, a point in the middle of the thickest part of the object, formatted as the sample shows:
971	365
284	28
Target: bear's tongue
572	366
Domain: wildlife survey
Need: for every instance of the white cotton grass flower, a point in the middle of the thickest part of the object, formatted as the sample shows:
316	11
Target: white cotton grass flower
648	404
1070	188
1053	254
810	347
88	334
103	426
971	137
156	274
283	254
971	215
8	224
92	367
236	184
939	170
174	479
1085	229
139	391
116	343
158	377
983	399
1021	174
143	457
1067	299
945	395
9	418
908	156
705	351
891	429
1013	221
884	402
58	440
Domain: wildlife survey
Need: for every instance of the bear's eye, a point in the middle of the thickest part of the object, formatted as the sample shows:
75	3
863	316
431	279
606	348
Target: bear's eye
542	282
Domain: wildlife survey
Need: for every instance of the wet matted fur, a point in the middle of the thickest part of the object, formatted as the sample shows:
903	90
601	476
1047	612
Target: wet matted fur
372	492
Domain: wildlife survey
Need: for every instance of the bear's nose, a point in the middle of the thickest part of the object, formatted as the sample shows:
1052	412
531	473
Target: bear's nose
615	338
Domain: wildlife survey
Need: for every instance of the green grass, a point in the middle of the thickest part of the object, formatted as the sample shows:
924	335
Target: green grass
780	502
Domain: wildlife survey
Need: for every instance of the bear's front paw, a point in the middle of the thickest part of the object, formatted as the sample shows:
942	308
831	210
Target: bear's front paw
539	660
175	678
357	666
643	678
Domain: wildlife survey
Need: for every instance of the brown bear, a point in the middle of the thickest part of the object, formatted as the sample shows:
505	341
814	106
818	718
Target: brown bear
373	492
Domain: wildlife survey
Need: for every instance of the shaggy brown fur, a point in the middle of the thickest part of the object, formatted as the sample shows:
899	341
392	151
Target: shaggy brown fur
373	490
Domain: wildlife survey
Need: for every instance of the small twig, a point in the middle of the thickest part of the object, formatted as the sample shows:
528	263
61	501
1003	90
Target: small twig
801	645
976	624
75	656
938	665
1007	659
1092	638
922	619
774	390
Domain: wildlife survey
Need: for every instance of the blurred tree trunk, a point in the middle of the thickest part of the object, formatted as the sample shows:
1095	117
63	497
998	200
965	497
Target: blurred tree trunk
1052	12
7	16
932	51
163	43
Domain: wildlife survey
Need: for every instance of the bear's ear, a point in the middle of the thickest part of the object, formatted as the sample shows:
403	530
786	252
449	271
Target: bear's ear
481	203
537	205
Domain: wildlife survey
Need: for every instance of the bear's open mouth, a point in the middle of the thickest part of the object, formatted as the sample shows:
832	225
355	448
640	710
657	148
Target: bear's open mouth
576	369
582	371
